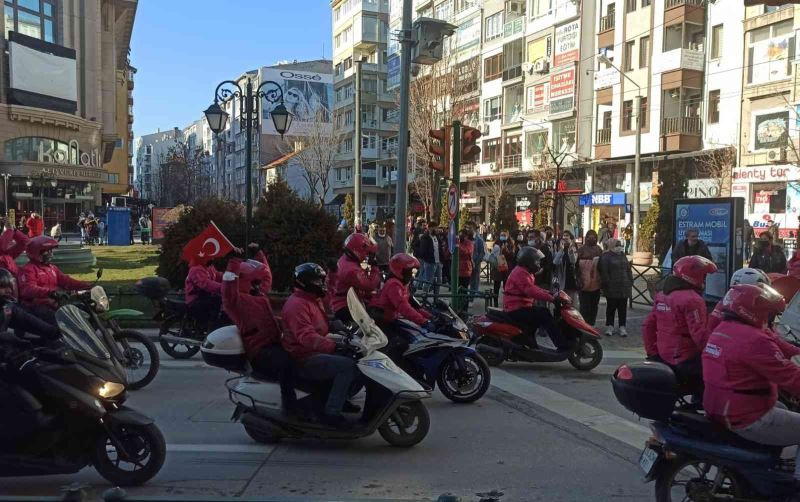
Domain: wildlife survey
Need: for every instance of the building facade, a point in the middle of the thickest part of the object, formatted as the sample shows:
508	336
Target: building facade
64	120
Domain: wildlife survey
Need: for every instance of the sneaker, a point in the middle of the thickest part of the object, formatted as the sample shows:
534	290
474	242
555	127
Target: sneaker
609	330
623	332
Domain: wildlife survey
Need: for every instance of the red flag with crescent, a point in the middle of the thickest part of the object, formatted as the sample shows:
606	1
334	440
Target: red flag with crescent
210	244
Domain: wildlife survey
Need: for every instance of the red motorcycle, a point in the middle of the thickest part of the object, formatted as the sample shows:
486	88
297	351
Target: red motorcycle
498	338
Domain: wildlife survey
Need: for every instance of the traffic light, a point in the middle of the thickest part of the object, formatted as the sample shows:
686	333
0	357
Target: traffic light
470	151
439	147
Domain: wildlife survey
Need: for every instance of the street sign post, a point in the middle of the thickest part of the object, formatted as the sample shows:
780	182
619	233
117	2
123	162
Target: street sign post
452	201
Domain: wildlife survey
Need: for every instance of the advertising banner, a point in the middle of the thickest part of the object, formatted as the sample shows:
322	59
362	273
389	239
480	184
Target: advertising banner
307	95
562	84
393	72
602	199
160	222
770	130
568	40
537	98
770	60
719	222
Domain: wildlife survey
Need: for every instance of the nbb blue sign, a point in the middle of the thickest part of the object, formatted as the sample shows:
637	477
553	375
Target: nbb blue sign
603	199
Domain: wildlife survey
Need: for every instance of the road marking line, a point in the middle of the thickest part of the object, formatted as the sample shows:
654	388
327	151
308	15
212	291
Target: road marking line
219	448
624	354
596	419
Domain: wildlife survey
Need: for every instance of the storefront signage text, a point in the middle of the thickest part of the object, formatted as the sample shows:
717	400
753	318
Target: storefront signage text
567	43
562	84
72	172
765	173
73	156
603	199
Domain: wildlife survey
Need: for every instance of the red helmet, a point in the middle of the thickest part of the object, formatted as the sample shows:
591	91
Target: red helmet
359	246
754	303
39	246
251	274
402	266
693	269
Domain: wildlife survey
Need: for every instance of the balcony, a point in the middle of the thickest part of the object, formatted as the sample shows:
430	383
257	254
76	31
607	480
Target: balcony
669	4
512	162
677	12
679	59
514	27
681	133
605	37
603	136
607	22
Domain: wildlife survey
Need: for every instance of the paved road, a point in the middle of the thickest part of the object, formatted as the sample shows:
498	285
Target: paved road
542	432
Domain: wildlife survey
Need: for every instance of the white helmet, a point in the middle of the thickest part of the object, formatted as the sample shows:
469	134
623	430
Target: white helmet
750	276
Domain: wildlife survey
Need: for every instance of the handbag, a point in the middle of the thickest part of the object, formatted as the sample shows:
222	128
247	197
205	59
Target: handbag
502	263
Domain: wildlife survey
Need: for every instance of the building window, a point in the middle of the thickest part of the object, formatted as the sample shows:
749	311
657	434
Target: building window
541	8
564	135
716	42
713	107
646	3
491	149
40	149
492	67
644	52
768	198
771	51
113	178
513	57
35	18
643	111
494	26
630	5
535	143
629	55
627	115
443	10
492	109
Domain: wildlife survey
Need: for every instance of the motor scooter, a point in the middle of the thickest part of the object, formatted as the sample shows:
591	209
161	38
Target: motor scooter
499	338
393	405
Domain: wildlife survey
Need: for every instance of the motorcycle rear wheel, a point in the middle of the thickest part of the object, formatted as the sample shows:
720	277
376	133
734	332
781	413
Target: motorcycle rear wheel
176	350
407	426
694	480
587	355
260	436
491	358
449	379
134	346
147	450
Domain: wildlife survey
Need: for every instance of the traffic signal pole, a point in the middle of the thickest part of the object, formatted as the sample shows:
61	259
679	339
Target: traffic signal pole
406	44
455	168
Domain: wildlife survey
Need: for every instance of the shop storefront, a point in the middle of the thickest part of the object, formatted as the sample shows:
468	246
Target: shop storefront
771	194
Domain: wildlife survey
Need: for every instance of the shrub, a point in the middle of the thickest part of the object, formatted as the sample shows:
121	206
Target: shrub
505	218
647	228
348	210
293	231
226	214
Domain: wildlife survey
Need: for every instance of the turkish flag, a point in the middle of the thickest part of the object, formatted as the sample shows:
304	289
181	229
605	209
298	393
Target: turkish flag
210	244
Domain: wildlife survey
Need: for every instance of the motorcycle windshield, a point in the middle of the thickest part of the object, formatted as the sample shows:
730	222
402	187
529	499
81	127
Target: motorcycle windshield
78	334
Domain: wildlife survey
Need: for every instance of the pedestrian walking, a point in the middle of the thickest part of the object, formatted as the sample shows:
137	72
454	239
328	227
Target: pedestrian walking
416	233
55	232
501	260
144	229
35	225
606	233
749	237
101	231
430	258
691	245
385	247
616	281
768	256
589	277
477	259
627	234
466	248
564	262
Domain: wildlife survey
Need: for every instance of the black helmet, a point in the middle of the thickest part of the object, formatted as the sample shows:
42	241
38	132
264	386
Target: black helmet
529	257
8	286
310	277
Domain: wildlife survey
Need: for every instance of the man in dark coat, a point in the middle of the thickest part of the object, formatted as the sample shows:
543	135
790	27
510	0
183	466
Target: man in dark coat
692	245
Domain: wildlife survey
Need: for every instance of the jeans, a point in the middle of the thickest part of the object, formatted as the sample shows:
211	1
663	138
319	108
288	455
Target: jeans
589	302
326	367
275	362
531	318
431	272
618	306
475	280
778	427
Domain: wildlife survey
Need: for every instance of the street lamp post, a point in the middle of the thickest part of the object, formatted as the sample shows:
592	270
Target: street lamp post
637	154
249	106
5	190
41	182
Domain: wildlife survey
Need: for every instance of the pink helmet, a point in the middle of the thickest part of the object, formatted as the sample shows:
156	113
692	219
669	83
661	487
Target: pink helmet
251	274
359	246
693	269
39	246
753	303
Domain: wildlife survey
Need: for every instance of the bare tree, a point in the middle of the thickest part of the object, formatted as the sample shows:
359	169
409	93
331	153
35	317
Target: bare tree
184	176
717	165
496	187
315	152
446	91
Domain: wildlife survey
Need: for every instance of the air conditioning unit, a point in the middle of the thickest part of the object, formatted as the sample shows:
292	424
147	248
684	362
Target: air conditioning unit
484	129
527	67
515	7
777	155
494	167
541	66
118	202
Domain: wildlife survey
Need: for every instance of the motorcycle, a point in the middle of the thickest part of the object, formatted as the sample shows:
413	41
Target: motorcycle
498	338
393	403
435	357
179	335
64	409
134	350
688	456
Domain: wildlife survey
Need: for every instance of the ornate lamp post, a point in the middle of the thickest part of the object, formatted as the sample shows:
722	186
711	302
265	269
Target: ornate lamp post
249	113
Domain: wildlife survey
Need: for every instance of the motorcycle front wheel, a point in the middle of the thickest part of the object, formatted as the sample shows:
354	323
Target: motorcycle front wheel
172	327
465	386
587	355
140	357
140	457
695	480
407	426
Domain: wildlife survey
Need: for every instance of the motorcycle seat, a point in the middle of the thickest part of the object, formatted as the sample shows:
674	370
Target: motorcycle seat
499	315
175	304
710	431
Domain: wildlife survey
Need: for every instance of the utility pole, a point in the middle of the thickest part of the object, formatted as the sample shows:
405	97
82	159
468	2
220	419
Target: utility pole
357	147
636	171
401	203
455	169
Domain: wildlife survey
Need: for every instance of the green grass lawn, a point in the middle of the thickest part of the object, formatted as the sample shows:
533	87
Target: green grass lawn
122	267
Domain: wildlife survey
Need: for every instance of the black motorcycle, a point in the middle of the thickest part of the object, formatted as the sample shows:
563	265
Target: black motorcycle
63	409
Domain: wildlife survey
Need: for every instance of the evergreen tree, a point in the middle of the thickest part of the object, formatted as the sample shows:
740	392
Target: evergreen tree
348	210
505	218
444	215
463	218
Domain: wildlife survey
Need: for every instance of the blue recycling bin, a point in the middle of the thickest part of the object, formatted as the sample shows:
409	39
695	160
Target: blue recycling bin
118	226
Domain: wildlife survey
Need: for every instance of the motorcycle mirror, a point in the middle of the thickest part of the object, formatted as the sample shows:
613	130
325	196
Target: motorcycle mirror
99	273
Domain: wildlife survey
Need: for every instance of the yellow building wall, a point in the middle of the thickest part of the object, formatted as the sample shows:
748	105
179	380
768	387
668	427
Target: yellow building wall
119	162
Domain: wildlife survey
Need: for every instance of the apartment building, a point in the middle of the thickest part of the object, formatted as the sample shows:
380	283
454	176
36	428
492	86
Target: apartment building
361	33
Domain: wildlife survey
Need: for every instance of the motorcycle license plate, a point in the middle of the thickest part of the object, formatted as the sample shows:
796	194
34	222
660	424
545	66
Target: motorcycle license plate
647	460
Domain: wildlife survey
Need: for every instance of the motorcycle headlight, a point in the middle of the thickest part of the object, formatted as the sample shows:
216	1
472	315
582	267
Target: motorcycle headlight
100	299
110	389
103	304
